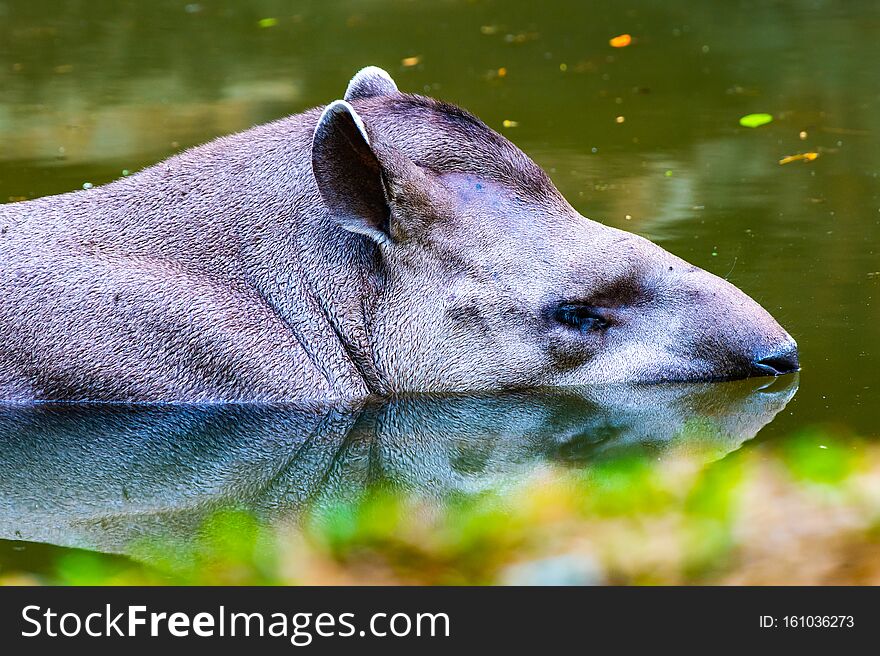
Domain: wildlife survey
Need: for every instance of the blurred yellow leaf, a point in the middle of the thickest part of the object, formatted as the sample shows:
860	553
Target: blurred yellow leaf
621	41
410	61
800	157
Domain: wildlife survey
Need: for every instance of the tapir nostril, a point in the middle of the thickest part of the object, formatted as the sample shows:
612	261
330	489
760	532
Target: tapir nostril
781	361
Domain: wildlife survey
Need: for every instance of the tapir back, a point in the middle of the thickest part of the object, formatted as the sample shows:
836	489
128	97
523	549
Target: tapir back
185	281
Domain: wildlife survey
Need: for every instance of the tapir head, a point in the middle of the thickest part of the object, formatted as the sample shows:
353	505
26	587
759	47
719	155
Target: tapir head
485	277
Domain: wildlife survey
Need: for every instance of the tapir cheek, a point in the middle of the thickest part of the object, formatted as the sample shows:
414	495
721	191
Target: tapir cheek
628	364
469	322
565	356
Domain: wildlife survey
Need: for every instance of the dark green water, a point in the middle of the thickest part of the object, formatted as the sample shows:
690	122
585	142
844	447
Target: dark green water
89	89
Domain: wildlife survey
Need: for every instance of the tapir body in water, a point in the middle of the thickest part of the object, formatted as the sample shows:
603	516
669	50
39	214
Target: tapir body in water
386	243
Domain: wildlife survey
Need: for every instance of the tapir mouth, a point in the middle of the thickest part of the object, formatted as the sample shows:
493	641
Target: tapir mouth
773	362
777	361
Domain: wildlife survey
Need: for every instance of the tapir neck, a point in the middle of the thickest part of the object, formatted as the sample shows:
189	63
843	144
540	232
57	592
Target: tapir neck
325	288
320	278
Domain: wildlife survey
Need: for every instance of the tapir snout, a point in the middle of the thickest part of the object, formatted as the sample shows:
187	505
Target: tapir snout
751	342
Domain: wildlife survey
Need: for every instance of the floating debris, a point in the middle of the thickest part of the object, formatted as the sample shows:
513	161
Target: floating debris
803	135
738	90
409	62
87	185
800	157
489	30
619	119
620	41
755	120
585	66
521	37
495	74
860	133
267	22
509	124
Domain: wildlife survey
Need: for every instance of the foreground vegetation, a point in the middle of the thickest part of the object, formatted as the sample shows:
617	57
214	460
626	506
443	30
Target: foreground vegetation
805	510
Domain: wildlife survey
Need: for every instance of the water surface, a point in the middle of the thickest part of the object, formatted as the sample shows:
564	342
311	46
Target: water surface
107	477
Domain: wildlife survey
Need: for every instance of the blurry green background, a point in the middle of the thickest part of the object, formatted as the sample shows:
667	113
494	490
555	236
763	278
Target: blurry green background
644	137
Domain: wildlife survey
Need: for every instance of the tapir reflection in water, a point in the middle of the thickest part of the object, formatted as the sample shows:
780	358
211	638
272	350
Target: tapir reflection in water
386	243
112	478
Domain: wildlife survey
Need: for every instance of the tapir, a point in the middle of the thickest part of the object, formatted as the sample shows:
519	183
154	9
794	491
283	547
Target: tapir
384	244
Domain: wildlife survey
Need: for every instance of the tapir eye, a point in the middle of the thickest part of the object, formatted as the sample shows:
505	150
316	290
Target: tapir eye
580	317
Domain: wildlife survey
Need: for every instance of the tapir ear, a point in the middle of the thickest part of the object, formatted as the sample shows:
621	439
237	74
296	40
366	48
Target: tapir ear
349	175
370	81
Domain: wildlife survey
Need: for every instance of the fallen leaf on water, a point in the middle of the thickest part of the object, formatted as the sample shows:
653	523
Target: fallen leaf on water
509	124
409	62
755	120
621	41
267	22
800	157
